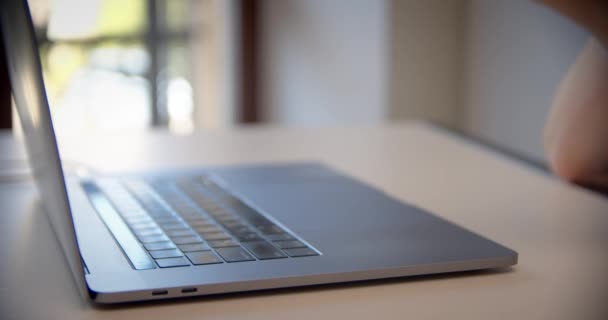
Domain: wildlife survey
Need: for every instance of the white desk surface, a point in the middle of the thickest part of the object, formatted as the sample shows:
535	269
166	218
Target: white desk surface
560	231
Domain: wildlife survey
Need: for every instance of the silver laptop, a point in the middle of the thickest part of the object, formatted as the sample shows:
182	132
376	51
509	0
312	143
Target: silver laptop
218	230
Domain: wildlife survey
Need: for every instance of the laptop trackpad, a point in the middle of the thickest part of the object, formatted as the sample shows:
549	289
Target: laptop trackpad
346	219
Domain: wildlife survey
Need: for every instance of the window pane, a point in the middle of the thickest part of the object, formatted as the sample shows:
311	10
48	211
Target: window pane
180	104
82	19
101	86
98	66
178	15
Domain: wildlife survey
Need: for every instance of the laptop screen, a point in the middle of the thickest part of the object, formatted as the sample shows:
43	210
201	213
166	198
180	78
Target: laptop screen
32	106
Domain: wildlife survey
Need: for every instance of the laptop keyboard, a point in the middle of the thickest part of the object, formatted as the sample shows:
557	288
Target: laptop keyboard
196	222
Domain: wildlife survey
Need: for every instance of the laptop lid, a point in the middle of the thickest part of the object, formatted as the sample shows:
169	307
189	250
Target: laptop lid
32	106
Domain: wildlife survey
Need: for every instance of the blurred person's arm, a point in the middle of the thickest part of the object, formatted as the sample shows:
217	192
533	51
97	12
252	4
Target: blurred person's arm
591	14
576	135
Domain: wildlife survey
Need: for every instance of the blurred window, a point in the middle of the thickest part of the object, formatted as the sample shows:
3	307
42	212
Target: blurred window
116	64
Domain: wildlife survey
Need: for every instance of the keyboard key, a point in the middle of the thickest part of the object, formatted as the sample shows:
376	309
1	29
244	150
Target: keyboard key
222	243
127	209
269	229
248	237
240	230
186	240
177	200
257	219
279	237
155	238
193	247
233	224
193	194
205	201
160	254
180	233
264	250
208	229
190	213
203	257
234	254
172	262
300	252
174	225
135	220
192	217
167	220
226	218
215	236
159	246
156	214
210	185
141	226
202	223
156	208
246	212
289	244
216	211
148	232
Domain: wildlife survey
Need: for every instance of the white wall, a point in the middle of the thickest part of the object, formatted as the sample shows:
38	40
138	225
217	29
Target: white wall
487	67
217	66
516	54
324	62
426	59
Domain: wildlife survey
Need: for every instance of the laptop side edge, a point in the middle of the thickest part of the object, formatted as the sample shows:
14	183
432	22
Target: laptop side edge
25	72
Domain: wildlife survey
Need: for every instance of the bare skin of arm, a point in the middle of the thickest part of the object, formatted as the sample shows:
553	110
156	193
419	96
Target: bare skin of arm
576	134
